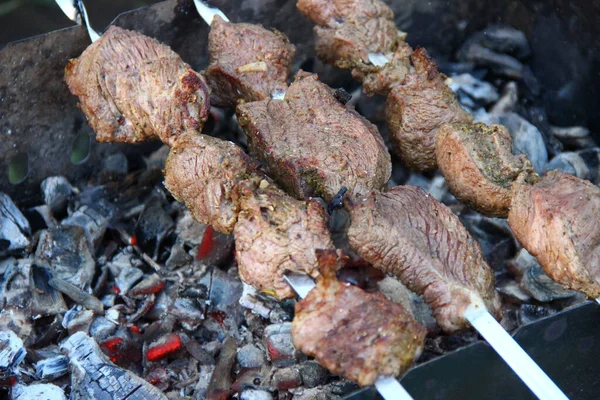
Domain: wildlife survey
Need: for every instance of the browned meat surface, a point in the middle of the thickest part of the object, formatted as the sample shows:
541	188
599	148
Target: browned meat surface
133	88
247	62
407	233
312	145
416	109
479	167
558	221
356	334
348	31
276	233
201	172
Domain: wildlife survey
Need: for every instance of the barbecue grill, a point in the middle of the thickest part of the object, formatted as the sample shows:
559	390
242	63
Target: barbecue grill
44	134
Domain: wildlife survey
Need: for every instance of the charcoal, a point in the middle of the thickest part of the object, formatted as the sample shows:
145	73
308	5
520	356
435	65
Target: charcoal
205	372
116	163
313	374
151	284
508	99
506	39
153	225
252	394
576	137
480	92
93	220
67	254
94	376
250	356
188	230
225	290
526	138
77	320
77	295
144	307
15	320
56	191
395	290
14	282
286	378
102	328
45	299
187	313
220	381
109	300
253	378
512	290
500	64
584	164
163	347
278	342
52	368
41	391
317	393
40	218
196	350
251	301
530	313
422	312
178	257
127	278
14	227
12	353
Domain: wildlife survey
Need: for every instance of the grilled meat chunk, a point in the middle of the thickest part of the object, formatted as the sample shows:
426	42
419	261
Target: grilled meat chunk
350	32
133	88
353	333
312	145
407	233
556	220
247	62
415	110
276	233
201	172
479	167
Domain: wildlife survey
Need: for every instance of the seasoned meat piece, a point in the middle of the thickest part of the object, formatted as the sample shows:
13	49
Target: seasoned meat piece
557	220
478	165
247	62
201	172
312	145
407	233
132	88
276	233
416	109
349	31
353	333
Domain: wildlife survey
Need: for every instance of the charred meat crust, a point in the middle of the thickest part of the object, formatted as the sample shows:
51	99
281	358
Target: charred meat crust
353	333
133	88
416	108
312	145
408	234
479	167
276	233
556	220
247	62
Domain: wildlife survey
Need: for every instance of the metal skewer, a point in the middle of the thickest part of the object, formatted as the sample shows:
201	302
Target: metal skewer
517	359
388	387
76	12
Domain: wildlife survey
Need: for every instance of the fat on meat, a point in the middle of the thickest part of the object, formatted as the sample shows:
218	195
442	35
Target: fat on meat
247	62
312	145
479	167
132	88
201	172
558	221
276	233
406	233
415	110
353	333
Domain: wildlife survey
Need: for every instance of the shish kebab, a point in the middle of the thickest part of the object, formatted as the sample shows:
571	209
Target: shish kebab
227	190
553	217
492	286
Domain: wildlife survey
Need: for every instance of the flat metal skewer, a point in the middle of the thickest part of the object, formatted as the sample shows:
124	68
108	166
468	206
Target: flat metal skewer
76	12
388	387
517	359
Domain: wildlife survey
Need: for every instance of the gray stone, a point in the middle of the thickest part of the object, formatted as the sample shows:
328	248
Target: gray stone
526	138
14	227
56	191
250	356
313	374
252	394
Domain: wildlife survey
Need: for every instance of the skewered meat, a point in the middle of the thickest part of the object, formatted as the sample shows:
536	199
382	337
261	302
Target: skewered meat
312	145
201	172
556	220
407	233
247	62
479	167
417	107
350	32
275	233
133	88
353	333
